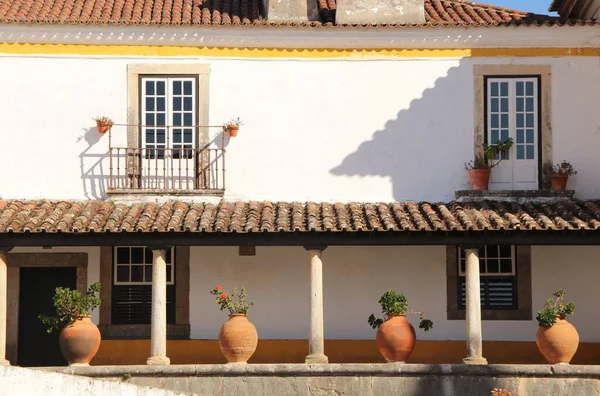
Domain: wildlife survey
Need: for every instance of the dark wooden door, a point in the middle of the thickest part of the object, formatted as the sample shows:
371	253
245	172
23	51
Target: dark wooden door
37	347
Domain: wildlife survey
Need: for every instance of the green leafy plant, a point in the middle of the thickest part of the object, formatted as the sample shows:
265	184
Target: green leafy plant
553	308
393	304
563	169
235	302
493	154
104	120
70	305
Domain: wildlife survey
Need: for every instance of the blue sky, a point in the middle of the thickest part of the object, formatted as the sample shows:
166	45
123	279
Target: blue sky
537	6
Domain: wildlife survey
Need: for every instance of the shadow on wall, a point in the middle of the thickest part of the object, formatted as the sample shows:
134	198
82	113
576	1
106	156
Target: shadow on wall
424	149
93	175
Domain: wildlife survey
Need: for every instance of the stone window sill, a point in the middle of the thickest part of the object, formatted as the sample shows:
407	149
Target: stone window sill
514	195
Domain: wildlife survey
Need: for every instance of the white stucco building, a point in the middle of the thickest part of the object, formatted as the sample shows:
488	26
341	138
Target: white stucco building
351	153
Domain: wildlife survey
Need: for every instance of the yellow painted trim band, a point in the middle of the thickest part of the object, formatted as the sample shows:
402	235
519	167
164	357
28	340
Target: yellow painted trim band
308	53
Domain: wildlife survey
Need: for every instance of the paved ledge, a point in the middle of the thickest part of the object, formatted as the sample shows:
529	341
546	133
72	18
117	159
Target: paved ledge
519	196
323	370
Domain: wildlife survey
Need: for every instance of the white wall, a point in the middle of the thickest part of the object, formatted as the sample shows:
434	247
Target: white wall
323	130
277	278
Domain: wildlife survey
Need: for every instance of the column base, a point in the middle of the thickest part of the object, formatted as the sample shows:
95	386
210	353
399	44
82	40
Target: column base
475	360
4	362
158	361
316	358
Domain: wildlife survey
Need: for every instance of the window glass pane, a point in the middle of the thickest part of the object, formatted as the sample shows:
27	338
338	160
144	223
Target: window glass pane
493	266
529	103
504	119
504	89
520	120
530	136
149	104
492	251
504	105
505	251
520	88
506	265
187	136
160	104
187	104
529	88
482	266
161	119
494	121
149	119
530	121
520	136
148	273
160	87
530	151
176	135
148	256
137	255
187	119
187	87
176	87
494	105
149	87
494	137
123	255
122	273
160	136
462	265
168	255
150	136
520	105
137	273
169	269
504	134
177	104
494	89
177	119
520	152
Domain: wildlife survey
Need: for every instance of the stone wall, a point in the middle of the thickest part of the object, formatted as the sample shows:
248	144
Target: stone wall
356	379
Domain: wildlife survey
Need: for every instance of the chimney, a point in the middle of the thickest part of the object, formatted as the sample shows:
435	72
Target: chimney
292	10
380	11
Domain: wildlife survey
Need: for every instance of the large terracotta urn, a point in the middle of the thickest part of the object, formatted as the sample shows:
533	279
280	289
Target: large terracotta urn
238	339
558	343
396	339
79	341
480	178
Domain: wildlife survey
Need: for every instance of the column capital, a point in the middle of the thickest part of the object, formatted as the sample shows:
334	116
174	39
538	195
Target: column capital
6	248
315	247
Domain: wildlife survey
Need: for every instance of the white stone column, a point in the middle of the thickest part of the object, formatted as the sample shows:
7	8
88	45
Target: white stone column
3	303
158	331
316	342
473	311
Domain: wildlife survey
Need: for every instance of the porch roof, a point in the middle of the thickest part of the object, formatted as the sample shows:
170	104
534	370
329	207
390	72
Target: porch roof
77	217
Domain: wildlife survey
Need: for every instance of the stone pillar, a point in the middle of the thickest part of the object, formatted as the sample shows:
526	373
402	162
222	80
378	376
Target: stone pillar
316	342
158	331
3	303
473	312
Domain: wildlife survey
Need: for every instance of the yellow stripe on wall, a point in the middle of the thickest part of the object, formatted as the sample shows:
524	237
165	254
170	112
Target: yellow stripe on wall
308	53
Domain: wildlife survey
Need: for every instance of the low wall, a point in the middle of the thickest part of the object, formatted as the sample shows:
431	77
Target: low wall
117	352
355	379
17	381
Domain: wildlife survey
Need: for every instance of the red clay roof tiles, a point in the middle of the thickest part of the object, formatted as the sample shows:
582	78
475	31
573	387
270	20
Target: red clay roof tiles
239	12
244	217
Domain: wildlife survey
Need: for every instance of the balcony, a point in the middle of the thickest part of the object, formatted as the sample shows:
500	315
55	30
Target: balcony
167	164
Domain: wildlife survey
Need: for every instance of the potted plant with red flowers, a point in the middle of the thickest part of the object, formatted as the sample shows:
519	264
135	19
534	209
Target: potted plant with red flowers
233	126
480	168
395	335
560	175
103	123
238	337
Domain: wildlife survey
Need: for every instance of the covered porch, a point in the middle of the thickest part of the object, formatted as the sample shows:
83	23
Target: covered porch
317	240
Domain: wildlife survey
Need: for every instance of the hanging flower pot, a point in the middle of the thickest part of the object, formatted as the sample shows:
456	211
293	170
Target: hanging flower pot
103	123
556	338
233	126
560	175
396	336
238	337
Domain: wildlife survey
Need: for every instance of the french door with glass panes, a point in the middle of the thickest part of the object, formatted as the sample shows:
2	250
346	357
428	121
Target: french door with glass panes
168	134
513	111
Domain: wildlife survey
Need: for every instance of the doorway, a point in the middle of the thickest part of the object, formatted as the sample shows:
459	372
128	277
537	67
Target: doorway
36	347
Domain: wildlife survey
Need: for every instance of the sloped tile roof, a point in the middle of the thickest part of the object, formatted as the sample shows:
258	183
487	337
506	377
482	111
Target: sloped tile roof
245	217
241	12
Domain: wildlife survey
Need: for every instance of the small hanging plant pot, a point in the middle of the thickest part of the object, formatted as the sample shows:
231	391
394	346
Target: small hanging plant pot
103	123
233	126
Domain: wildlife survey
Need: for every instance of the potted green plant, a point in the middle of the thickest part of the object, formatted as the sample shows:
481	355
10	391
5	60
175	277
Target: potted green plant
481	167
238	337
232	126
103	123
560	175
556	338
79	337
395	335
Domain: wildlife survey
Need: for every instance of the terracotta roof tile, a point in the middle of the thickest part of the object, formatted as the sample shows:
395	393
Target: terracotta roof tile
243	12
245	217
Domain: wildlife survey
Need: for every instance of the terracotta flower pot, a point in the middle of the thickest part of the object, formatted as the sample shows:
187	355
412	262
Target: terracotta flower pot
480	178
79	341
238	339
396	339
559	342
559	182
102	126
232	130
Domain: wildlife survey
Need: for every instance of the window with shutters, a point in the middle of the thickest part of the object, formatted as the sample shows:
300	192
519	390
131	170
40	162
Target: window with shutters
505	278
132	285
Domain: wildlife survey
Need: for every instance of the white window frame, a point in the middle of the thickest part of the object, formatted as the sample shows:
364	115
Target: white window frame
146	263
484	260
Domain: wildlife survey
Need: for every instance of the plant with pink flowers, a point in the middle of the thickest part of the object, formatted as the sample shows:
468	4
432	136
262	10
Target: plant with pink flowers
235	302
